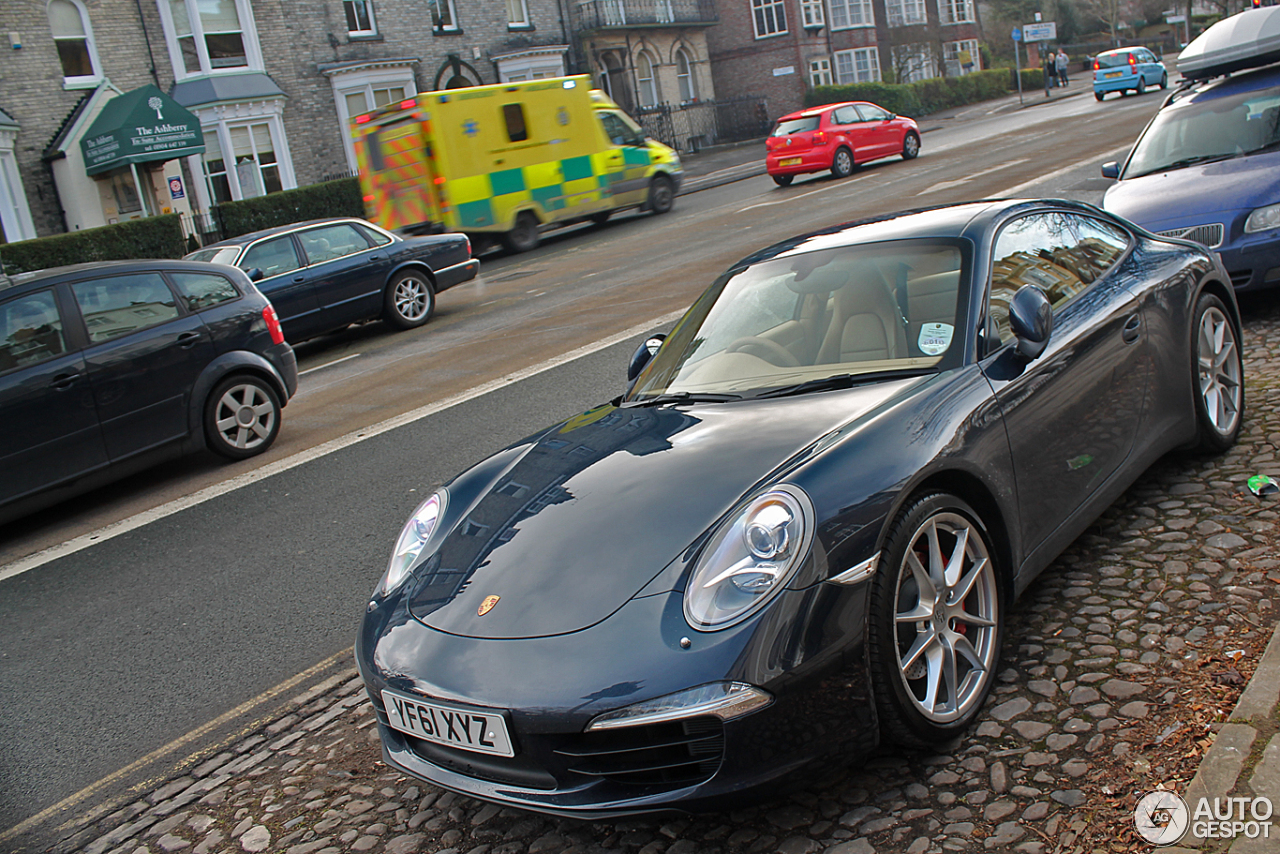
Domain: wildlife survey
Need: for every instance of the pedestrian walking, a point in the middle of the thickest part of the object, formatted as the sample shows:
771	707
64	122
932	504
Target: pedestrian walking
1060	64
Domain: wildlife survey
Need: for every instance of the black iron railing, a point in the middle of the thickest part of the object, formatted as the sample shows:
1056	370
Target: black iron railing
689	127
606	14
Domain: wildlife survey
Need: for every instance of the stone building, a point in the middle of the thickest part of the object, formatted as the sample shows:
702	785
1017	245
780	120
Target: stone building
782	48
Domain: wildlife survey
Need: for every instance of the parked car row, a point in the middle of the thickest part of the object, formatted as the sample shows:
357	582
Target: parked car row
108	368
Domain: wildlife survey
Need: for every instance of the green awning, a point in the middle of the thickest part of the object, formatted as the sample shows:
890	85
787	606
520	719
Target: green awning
138	127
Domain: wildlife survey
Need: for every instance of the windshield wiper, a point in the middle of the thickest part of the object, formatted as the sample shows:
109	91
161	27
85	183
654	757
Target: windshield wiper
839	381
1189	161
680	397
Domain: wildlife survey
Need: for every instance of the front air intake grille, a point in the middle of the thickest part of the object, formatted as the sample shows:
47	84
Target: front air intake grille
1209	235
1240	278
682	752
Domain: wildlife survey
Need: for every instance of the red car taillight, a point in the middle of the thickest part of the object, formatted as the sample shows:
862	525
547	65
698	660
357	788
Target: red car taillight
1133	60
1096	65
468	239
818	138
273	325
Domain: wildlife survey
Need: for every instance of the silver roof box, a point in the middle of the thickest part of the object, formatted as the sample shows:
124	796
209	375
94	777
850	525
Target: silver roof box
1250	39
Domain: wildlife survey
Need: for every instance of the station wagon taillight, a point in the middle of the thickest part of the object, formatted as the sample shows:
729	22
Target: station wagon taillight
273	325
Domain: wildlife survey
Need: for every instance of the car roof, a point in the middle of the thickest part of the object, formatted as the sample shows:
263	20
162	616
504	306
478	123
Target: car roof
40	278
1119	50
250	237
816	111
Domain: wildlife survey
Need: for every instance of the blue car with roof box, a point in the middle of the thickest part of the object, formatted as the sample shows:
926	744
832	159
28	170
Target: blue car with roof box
1207	166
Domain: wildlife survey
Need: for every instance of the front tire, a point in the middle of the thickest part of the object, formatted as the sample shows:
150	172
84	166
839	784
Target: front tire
910	146
937	618
523	237
409	300
241	417
1217	371
662	194
842	163
782	180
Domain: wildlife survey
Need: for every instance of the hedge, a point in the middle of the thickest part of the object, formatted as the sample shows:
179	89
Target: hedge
929	96
332	198
150	237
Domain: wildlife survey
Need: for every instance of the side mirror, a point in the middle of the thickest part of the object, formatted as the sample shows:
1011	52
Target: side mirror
1031	319
642	355
1111	169
256	274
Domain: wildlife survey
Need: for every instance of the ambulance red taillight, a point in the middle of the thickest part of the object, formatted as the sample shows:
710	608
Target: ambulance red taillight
273	325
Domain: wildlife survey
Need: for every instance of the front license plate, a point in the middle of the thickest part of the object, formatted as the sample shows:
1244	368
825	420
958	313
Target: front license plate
461	728
1111	74
789	161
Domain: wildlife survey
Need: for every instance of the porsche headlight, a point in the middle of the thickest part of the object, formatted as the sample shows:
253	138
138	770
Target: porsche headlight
1263	219
749	559
412	539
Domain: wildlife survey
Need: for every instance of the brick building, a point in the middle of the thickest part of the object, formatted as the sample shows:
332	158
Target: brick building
782	48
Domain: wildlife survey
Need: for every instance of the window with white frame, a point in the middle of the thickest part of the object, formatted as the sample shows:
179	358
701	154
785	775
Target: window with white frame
857	66
243	157
684	76
73	37
964	54
811	13
956	11
769	17
360	17
851	13
357	92
820	72
647	89
208	37
448	15
903	13
517	14
913	63
15	215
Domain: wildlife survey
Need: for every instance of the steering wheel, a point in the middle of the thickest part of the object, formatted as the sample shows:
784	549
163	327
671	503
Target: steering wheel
771	351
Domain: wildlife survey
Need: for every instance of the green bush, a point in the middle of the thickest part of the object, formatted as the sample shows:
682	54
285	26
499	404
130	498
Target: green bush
926	96
151	237
332	198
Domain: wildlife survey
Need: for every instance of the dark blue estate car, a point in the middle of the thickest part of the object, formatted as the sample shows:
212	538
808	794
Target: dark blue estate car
106	368
325	274
1207	167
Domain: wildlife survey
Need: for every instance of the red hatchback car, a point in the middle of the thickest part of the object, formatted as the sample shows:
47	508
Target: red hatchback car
837	137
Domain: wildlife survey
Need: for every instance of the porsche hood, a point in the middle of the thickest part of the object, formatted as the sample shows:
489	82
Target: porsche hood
600	505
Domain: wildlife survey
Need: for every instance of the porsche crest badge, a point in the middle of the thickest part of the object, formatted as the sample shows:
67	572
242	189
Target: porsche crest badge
487	605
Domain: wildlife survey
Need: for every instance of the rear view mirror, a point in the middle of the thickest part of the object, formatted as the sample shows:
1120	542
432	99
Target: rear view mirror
642	355
1031	320
1111	169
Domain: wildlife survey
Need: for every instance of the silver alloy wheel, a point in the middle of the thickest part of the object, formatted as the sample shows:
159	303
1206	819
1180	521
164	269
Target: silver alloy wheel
842	165
245	416
945	618
412	297
1218	362
910	146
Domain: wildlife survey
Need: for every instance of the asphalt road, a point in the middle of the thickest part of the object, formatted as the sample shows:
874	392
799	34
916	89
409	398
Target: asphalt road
110	653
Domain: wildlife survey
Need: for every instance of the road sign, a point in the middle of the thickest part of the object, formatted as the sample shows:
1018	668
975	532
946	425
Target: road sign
1017	34
1040	32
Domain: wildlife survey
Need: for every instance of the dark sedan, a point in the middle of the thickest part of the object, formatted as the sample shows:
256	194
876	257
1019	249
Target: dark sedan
326	274
109	367
800	529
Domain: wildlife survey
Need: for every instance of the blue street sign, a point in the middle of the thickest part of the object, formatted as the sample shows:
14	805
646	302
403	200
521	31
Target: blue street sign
1017	34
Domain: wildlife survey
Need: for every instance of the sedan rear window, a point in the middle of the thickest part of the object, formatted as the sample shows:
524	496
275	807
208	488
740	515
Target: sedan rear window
215	254
800	125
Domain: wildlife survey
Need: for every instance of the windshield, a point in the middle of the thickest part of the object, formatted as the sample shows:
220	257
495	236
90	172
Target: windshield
800	125
1198	131
842	312
216	254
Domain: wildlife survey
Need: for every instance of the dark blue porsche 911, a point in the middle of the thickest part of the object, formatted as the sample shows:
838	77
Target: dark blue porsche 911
800	529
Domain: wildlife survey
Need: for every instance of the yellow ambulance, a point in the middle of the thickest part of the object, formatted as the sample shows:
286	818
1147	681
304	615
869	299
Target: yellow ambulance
504	160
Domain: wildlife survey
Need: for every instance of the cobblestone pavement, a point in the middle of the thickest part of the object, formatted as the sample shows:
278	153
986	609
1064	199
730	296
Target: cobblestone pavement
1120	663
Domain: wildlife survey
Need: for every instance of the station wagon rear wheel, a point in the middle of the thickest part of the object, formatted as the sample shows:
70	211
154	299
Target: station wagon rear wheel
241	417
409	301
937	617
1217	370
842	163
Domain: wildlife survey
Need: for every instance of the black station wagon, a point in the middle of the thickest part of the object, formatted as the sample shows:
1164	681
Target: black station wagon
107	368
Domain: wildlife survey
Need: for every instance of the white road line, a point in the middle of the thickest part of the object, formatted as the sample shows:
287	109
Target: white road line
836	186
1013	192
328	364
124	526
947	185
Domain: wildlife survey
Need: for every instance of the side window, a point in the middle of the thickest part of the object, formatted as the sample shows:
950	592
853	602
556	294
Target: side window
513	115
331	241
845	116
122	304
30	330
619	132
273	257
1100	246
375	238
872	114
202	290
1044	250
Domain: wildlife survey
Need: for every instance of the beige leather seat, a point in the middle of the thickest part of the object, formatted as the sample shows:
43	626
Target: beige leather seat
866	324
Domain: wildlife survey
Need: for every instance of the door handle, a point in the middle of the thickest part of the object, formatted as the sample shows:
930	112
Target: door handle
1132	328
375	257
299	279
64	381
187	340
